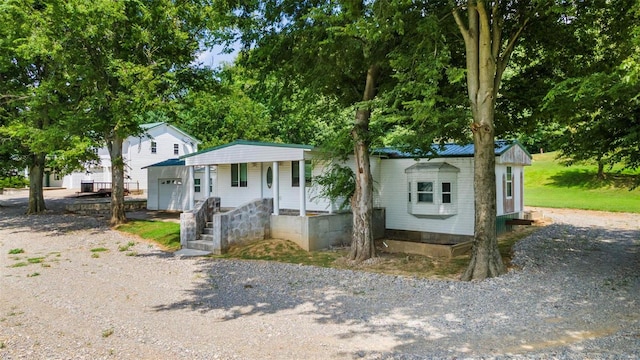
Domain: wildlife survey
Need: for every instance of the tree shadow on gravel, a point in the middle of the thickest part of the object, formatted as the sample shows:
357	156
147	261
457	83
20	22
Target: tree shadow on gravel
418	317
55	220
52	222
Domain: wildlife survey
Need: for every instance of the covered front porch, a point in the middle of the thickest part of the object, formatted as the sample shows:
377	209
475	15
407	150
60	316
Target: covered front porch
246	171
260	190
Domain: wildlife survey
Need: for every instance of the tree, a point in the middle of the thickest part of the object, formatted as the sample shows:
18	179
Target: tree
126	55
37	97
490	32
222	111
339	49
596	100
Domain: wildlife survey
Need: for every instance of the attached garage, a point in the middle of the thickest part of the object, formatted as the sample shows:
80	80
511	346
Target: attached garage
170	194
168	183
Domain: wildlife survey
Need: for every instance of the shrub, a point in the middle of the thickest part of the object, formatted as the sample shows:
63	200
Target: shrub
13	182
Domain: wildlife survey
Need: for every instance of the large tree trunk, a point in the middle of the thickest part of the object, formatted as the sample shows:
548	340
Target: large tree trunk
485	256
118	215
487	57
362	244
36	194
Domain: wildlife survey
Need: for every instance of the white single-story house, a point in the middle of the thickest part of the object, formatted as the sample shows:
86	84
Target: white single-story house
160	141
424	199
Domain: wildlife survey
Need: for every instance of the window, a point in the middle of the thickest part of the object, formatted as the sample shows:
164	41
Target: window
211	185
154	147
56	177
431	187
239	175
509	183
425	192
295	173
176	149
196	186
446	193
269	177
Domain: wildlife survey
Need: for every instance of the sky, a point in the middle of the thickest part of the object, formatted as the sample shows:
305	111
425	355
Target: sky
214	58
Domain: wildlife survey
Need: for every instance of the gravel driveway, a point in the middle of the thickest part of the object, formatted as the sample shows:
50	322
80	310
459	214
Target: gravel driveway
575	296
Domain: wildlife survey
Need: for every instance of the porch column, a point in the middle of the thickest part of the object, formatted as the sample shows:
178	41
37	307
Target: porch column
207	181
191	191
303	191
276	188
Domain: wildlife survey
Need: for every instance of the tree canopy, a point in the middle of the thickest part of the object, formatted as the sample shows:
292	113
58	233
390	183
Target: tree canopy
358	55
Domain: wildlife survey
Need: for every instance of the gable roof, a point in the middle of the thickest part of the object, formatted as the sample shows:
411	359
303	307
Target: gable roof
250	143
447	150
149	126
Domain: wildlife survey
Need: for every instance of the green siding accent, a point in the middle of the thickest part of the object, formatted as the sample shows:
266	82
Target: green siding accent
501	226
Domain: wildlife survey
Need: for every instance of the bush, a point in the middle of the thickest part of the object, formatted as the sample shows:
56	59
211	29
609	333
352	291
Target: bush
14	182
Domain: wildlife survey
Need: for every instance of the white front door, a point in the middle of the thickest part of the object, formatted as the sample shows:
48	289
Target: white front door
170	194
267	180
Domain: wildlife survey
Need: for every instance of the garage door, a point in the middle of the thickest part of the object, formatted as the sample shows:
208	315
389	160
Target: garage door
170	194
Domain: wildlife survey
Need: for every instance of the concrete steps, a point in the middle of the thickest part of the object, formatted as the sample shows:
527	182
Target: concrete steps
205	243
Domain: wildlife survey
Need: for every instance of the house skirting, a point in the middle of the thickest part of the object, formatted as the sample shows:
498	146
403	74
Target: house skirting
427	237
425	249
501	222
321	231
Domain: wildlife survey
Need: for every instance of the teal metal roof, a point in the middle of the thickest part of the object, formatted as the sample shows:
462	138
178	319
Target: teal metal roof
251	143
168	162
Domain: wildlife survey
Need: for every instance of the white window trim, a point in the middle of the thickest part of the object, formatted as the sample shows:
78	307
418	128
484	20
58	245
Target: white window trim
437	174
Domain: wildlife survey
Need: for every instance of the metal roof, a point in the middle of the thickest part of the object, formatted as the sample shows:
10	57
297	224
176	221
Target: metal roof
446	150
168	162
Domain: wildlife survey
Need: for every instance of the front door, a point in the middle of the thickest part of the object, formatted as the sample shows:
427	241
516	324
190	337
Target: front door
267	180
508	187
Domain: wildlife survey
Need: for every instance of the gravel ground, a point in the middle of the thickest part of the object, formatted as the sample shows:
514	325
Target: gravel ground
575	296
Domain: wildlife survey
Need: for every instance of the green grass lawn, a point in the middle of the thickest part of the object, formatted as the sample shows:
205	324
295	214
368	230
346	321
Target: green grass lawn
551	184
165	234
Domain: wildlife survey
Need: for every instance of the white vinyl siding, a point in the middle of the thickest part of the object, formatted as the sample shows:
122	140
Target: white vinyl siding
517	173
136	152
136	158
155	176
395	199
234	196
